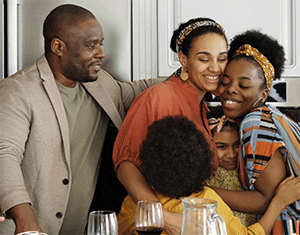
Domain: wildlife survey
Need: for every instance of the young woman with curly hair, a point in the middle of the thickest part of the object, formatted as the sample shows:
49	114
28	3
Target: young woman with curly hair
255	59
201	46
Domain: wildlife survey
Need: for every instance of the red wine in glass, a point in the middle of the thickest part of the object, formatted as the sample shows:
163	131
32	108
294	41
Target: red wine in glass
149	230
149	217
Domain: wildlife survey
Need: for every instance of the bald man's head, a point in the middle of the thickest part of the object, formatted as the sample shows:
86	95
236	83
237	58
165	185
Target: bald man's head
60	22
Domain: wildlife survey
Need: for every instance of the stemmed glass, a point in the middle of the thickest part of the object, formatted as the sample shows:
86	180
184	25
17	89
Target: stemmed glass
149	217
102	223
31	232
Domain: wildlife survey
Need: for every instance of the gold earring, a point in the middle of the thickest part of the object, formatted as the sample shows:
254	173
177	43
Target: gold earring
258	101
184	74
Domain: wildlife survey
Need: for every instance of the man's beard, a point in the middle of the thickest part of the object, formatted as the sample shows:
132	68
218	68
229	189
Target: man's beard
72	72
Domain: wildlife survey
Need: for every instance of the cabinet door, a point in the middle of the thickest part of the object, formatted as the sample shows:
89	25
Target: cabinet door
277	18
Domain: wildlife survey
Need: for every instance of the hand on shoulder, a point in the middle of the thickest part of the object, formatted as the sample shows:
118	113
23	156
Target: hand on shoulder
288	190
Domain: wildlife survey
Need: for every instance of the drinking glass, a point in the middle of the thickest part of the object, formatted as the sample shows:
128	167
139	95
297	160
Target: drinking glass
102	223
149	217
31	232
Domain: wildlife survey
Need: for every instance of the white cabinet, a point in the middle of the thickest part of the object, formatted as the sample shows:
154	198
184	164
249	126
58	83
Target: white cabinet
274	17
154	22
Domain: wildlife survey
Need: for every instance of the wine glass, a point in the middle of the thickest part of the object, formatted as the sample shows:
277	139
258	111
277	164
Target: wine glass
149	217
102	223
31	232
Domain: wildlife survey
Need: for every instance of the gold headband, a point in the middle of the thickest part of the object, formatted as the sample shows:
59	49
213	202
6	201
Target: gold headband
188	29
267	67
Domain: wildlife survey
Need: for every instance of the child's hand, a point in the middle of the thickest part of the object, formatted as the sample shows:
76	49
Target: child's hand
288	191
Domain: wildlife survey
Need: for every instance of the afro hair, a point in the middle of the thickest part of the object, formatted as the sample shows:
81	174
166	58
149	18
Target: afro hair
265	44
176	158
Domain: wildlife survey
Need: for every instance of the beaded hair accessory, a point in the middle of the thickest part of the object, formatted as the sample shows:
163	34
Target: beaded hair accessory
267	67
213	122
188	29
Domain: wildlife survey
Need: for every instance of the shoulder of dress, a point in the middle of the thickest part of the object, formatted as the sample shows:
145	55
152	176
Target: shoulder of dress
257	118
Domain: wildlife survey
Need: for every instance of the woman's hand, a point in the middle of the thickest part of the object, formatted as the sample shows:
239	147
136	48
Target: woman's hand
172	222
2	218
288	191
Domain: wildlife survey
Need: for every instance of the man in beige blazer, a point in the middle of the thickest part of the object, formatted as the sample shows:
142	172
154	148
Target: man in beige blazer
53	119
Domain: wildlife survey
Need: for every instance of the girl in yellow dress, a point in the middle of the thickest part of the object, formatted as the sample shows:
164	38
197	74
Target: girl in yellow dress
226	136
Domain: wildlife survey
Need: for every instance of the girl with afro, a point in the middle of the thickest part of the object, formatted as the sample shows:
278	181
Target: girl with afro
176	161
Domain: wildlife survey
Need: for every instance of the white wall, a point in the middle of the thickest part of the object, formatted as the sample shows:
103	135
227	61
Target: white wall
114	16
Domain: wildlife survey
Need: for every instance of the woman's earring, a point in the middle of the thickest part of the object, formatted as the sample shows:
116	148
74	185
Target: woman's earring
184	75
257	102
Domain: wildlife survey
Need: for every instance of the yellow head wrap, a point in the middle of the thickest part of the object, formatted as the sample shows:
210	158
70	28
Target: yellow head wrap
267	67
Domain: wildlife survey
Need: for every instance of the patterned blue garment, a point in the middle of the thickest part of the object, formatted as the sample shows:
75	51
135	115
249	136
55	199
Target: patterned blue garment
263	131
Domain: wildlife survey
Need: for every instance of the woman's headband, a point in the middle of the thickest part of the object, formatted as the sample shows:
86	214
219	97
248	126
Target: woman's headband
188	29
267	67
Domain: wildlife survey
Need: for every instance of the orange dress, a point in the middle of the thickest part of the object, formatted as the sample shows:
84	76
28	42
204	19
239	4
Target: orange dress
171	97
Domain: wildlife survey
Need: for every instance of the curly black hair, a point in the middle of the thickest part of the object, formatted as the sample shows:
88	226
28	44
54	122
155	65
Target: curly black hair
265	44
176	158
186	46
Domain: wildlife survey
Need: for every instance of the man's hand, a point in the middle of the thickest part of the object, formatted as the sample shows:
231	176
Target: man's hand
172	222
24	218
2	219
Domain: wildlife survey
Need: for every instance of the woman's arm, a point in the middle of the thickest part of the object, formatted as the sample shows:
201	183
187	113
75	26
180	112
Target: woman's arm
135	184
256	202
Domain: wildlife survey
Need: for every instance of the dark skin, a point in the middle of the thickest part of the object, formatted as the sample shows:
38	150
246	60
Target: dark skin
242	85
24	218
79	52
78	56
256	202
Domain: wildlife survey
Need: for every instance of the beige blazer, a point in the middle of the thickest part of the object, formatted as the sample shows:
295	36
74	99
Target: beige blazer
34	139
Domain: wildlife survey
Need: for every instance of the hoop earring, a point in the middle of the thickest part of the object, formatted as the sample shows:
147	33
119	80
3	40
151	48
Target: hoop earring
257	101
184	74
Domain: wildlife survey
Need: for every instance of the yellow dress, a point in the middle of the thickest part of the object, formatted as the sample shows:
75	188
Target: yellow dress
126	217
228	179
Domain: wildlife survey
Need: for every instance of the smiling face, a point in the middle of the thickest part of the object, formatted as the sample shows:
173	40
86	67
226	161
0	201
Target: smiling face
206	61
241	88
83	55
227	142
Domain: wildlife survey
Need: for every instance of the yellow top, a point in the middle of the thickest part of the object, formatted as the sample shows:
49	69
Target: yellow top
126	217
228	179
